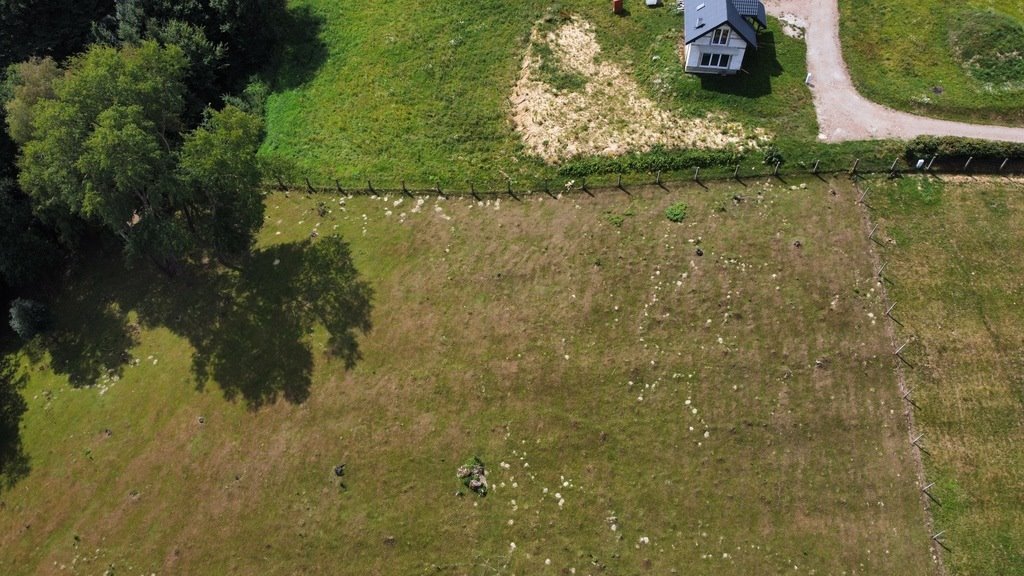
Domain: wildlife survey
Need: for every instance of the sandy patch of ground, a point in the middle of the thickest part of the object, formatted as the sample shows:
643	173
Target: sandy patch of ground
792	25
609	115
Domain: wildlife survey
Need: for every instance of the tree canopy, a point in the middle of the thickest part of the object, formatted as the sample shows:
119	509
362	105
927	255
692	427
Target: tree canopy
105	141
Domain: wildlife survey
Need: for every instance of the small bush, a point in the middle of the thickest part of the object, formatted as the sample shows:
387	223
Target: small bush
773	156
29	318
676	212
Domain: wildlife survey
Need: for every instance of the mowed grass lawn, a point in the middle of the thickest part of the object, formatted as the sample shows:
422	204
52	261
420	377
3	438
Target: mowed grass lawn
640	408
420	91
956	279
911	56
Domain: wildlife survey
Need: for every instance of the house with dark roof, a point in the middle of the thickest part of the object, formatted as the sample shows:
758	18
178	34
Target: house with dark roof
718	33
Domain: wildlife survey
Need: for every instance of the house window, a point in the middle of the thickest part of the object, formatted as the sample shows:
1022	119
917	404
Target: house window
713	60
720	36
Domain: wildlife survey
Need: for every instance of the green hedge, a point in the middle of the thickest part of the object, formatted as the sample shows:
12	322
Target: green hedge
649	162
962	148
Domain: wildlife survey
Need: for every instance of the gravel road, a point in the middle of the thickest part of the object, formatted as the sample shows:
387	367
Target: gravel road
843	114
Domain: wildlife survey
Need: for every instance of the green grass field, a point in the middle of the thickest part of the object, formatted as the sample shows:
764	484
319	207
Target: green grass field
406	90
640	408
956	60
956	281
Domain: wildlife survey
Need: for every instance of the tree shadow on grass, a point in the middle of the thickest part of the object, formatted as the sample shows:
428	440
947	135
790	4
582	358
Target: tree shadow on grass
251	337
249	327
755	78
14	463
91	338
299	52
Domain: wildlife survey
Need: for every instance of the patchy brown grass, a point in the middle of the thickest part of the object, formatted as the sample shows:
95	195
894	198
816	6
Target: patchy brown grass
610	365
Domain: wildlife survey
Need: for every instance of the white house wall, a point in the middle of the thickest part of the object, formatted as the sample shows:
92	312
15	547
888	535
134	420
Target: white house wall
735	48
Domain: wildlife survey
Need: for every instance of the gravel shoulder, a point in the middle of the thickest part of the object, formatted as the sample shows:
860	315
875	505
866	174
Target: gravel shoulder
843	114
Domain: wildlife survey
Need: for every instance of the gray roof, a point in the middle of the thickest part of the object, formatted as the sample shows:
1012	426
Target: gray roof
703	16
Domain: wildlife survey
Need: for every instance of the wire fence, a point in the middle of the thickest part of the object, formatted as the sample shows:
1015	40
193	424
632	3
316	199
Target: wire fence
896	328
517	187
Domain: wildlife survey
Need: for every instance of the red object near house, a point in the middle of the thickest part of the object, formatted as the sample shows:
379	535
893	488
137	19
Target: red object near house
617	6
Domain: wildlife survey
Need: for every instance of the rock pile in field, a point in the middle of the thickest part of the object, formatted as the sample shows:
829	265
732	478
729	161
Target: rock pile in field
474	476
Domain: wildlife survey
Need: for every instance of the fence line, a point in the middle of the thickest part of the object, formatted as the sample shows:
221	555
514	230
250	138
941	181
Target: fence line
916	438
934	166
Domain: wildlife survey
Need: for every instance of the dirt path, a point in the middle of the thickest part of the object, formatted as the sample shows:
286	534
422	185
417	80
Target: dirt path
843	114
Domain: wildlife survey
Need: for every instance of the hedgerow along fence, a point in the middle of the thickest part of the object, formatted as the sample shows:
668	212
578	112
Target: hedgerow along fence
935	164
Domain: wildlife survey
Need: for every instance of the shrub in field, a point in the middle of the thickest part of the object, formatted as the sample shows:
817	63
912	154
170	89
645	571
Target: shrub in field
773	156
676	212
29	318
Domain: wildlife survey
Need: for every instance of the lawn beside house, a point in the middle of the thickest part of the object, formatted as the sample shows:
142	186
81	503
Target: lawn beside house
406	90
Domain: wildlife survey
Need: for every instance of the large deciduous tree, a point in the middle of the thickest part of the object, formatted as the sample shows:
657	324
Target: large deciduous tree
220	180
107	143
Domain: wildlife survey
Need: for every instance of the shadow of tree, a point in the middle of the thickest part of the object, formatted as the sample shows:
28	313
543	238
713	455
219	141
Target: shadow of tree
91	337
249	327
252	340
299	52
755	78
14	463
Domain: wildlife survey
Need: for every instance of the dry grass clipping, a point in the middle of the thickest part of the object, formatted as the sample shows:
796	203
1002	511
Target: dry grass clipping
610	115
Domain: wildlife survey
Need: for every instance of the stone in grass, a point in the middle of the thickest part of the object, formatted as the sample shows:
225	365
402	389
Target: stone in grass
474	476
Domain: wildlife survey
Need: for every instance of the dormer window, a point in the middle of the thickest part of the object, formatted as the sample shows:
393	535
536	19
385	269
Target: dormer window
720	36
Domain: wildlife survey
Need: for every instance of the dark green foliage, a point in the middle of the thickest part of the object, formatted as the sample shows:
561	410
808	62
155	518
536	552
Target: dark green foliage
27	253
990	45
225	41
13	460
676	212
29	318
253	99
650	162
109	144
221	180
962	148
773	156
56	28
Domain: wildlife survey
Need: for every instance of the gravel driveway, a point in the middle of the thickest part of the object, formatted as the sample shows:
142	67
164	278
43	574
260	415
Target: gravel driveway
843	114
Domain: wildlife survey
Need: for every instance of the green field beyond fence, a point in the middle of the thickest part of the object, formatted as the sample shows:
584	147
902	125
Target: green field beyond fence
955	60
